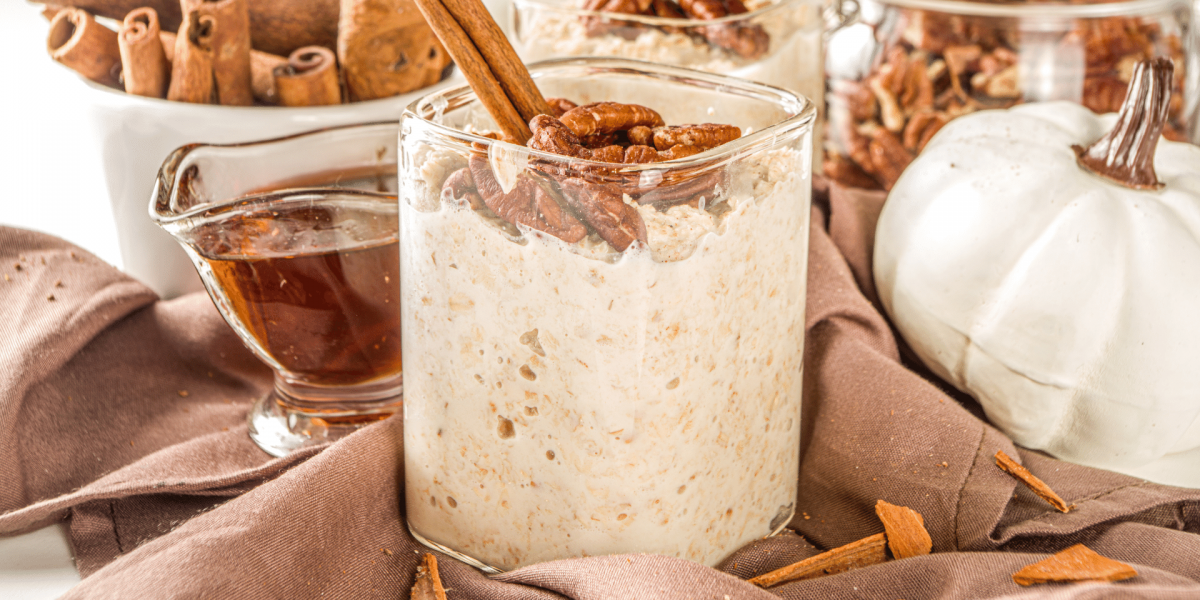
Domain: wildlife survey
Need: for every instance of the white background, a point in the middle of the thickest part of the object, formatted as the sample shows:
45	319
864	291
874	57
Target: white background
49	168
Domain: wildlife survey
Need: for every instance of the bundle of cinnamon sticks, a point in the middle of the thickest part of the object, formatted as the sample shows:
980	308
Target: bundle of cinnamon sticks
224	51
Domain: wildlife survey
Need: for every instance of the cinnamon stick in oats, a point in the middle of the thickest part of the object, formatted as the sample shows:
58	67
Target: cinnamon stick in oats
1077	563
192	68
905	527
385	48
231	47
310	78
144	63
862	553
428	584
89	48
1035	485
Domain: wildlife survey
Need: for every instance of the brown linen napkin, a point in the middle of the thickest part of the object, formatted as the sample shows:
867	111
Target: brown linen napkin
331	526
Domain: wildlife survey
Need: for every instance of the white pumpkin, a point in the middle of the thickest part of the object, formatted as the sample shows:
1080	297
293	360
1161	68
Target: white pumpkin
1068	305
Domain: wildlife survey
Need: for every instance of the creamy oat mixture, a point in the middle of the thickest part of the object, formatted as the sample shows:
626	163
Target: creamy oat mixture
572	402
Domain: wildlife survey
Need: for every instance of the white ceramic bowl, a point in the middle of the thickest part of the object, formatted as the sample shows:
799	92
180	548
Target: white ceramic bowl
135	134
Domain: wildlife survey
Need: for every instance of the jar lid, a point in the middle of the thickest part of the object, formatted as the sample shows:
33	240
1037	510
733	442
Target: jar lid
1041	8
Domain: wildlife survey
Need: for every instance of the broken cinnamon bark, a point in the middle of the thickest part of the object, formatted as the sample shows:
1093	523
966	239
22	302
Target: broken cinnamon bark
428	584
1037	486
862	553
905	528
1077	563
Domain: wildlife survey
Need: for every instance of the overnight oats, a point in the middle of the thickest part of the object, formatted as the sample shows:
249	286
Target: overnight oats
604	358
777	42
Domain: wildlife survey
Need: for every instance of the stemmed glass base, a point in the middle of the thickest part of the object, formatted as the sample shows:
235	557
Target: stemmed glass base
281	422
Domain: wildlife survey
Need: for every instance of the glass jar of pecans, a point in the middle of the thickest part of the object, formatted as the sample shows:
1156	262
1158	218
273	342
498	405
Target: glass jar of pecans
909	66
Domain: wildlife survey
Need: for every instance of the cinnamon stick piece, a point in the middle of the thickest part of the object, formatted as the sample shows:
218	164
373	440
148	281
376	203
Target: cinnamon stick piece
262	69
386	49
76	40
1077	563
192	67
514	78
862	553
310	78
466	55
905	528
428	585
276	26
143	62
231	48
1035	485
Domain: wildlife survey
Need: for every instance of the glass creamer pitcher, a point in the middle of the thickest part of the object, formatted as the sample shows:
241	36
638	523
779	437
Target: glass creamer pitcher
295	240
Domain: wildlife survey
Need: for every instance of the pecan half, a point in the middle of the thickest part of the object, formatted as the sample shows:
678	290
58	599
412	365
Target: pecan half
847	172
604	209
559	106
461	188
608	117
683	188
526	204
748	41
921	128
888	157
640	154
706	135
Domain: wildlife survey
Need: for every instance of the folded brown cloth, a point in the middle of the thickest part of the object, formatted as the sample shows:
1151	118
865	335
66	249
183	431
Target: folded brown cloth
125	416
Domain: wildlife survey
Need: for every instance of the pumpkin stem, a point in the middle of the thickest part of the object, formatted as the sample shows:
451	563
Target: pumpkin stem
1125	155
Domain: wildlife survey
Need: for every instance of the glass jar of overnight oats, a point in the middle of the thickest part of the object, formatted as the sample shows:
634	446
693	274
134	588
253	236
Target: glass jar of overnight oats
777	42
570	391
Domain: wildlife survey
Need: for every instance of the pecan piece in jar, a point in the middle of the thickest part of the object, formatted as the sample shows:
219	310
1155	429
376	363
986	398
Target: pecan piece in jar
460	187
706	135
747	41
609	117
559	106
604	209
921	128
526	204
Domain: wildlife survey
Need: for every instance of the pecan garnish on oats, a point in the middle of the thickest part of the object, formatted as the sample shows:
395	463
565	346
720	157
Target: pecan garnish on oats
568	199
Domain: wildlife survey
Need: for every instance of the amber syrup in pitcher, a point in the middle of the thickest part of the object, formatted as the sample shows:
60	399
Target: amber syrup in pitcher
316	285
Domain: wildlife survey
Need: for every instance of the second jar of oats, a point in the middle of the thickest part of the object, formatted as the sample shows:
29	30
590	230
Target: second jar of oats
777	42
909	66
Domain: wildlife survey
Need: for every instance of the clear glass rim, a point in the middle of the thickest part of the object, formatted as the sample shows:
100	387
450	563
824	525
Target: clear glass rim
802	109
547	5
1040	10
162	205
280	199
